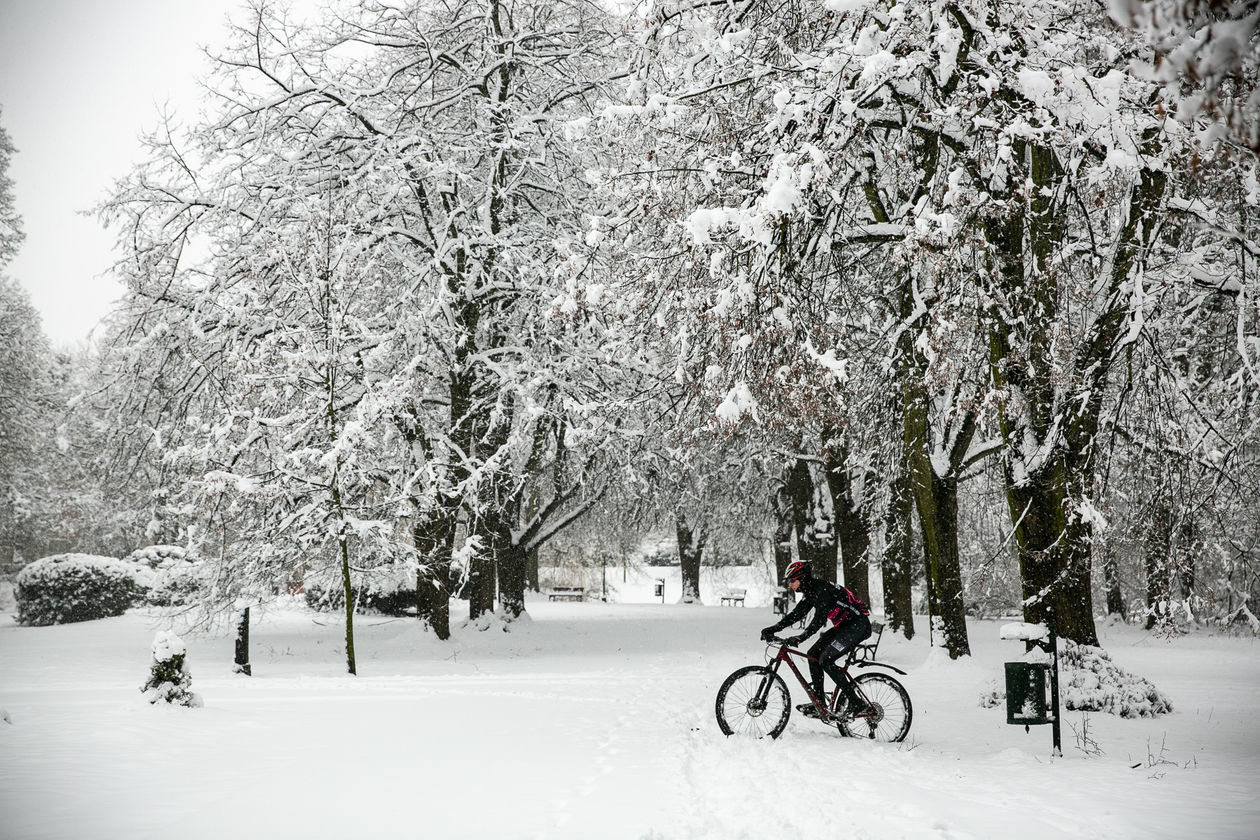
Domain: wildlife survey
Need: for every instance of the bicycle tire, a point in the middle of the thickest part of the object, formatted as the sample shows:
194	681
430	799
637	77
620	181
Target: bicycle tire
753	701
894	713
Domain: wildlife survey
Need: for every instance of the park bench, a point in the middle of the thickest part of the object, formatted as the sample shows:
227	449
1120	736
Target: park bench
566	593
733	597
867	649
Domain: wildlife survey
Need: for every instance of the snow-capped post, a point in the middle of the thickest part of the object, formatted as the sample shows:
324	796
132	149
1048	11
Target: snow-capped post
169	680
660	589
1032	688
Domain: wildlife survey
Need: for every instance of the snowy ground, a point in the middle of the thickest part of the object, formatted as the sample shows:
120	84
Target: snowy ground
590	720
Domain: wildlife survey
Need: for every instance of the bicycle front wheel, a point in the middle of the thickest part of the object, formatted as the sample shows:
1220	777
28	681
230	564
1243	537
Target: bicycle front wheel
891	719
753	701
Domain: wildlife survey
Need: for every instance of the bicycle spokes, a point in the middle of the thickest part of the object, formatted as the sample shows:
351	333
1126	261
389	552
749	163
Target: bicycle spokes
890	714
753	701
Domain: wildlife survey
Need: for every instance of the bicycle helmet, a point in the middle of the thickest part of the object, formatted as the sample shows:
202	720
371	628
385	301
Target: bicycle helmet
797	571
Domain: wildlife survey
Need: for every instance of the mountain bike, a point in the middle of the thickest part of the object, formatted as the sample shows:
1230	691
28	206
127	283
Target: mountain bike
755	700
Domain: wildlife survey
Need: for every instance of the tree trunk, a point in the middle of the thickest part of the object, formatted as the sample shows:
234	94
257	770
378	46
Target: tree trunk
1111	582
1044	497
240	663
1156	562
815	535
1189	549
1054	554
481	581
510	559
783	522
434	538
499	508
936	499
898	546
531	570
345	581
853	534
690	550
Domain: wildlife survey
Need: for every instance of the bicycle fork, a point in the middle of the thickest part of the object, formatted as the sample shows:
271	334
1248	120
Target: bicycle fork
763	691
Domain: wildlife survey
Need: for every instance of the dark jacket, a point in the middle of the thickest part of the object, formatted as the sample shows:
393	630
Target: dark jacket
828	601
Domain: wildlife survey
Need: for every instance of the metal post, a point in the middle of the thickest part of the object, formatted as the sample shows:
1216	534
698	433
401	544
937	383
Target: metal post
1054	690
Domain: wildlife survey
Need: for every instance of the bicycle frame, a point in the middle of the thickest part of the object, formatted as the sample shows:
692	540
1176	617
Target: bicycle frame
823	704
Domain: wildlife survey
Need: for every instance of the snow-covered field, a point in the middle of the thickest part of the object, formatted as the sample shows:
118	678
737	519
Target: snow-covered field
591	720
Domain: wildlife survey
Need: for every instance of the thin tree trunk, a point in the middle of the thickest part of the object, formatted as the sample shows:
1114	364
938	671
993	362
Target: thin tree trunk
1156	562
345	581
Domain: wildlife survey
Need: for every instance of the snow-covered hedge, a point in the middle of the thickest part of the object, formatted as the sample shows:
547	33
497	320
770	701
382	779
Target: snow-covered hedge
390	591
175	576
65	588
333	599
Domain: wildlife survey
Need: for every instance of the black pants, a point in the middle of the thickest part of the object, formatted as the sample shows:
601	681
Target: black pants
832	646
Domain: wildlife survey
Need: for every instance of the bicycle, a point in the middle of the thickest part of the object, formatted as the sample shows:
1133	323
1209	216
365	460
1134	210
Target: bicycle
754	700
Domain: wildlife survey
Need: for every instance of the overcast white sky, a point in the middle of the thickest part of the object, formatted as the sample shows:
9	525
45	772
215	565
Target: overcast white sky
79	81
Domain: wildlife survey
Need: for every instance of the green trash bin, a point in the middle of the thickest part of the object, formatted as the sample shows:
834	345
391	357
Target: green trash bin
1027	693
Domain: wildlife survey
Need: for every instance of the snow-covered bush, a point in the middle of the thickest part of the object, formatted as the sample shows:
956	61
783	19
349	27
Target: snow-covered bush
175	576
1090	682
169	681
65	588
158	556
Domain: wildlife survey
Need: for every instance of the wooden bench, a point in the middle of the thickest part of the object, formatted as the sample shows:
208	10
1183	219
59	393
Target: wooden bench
734	597
866	650
566	593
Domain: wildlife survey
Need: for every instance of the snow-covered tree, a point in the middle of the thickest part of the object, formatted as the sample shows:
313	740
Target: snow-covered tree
11	234
372	244
25	415
1004	176
779	295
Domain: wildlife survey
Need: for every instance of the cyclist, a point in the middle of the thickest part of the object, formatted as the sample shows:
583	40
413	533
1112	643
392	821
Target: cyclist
851	626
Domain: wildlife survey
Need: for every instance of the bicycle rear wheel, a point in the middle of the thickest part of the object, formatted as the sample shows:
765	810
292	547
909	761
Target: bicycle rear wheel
893	712
753	701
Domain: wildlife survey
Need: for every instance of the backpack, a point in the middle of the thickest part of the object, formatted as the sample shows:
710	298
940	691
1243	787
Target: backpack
848	605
